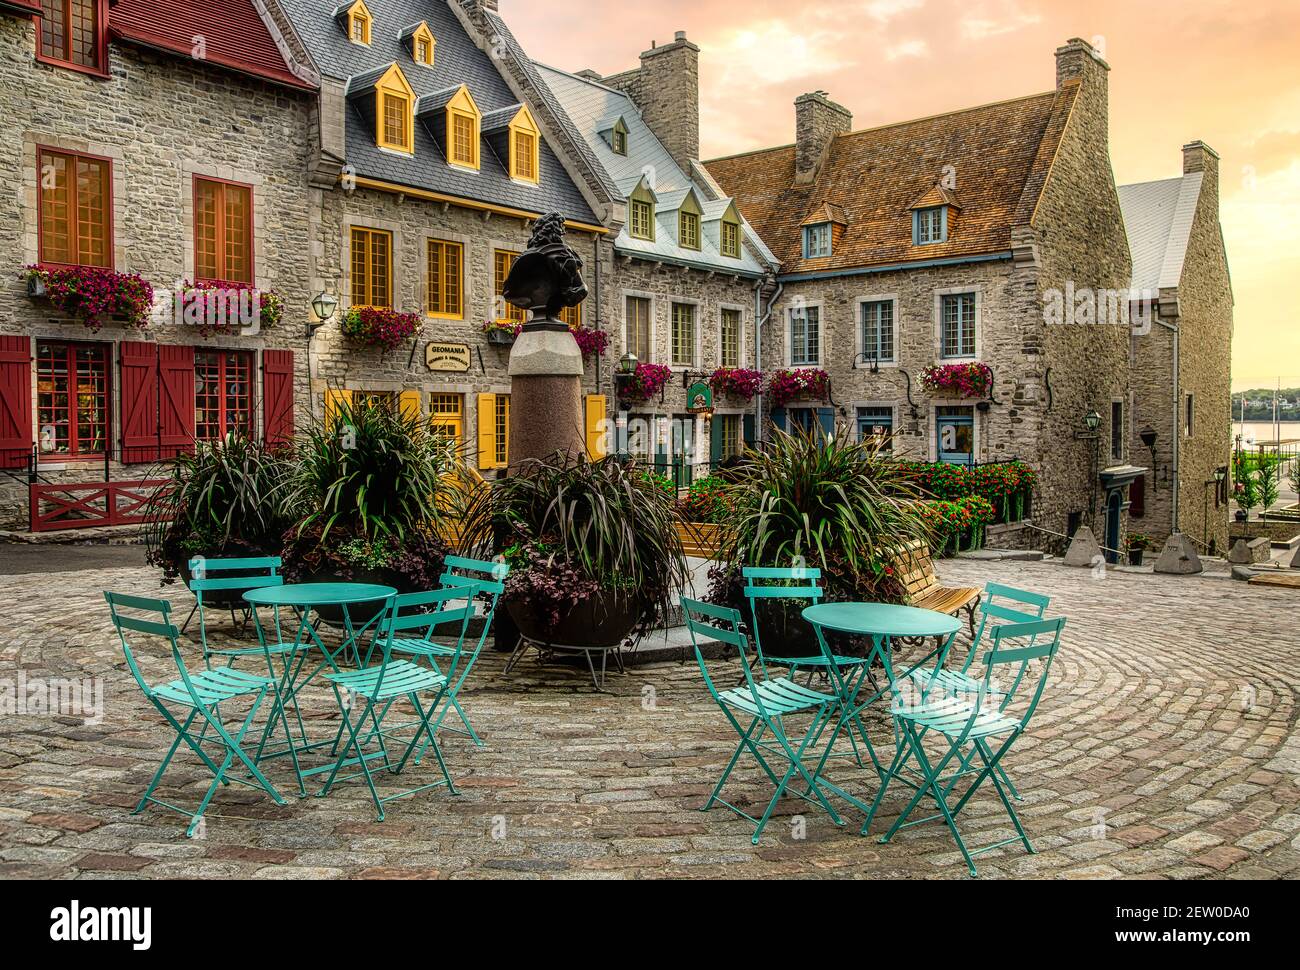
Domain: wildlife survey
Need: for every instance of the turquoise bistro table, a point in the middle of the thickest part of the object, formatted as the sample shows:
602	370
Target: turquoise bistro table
881	622
305	599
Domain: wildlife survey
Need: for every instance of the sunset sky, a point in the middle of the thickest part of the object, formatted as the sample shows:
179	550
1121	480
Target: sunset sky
1221	71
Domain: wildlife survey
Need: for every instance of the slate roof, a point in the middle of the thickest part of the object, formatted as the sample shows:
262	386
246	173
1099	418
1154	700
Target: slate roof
234	34
457	60
1000	155
1158	217
594	108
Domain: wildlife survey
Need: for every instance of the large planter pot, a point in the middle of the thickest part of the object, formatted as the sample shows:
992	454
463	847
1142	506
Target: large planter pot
223	599
783	632
501	338
1135	556
603	621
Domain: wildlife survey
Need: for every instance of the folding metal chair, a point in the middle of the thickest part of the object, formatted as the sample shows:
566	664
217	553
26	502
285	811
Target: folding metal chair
966	723
846	674
205	578
371	692
766	703
199	696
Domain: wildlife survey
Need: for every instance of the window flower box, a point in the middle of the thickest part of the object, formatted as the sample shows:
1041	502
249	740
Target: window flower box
380	327
648	380
501	333
93	295
737	382
217	307
803	382
972	380
592	343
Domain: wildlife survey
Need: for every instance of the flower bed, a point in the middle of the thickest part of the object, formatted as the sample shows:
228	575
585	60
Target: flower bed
226	308
94	296
958	526
1006	486
786	385
705	501
737	381
379	327
973	380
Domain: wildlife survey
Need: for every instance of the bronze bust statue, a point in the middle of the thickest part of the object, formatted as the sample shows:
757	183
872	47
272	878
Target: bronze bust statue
547	278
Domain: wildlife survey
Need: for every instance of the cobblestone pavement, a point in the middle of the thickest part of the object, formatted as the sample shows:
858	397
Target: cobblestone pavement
1166	745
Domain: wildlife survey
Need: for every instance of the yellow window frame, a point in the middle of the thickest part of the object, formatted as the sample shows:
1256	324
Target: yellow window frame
493	430
525	147
395	89
359	16
447	416
731	239
366	272
446	265
464	130
502	262
688	230
422	35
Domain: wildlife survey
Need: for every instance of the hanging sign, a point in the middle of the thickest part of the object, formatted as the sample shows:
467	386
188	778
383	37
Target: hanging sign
699	398
447	357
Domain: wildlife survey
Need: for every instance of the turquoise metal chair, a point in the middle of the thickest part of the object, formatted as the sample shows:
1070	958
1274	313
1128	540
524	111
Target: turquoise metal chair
371	692
969	724
207	577
1000	604
846	674
197	696
476	578
766	703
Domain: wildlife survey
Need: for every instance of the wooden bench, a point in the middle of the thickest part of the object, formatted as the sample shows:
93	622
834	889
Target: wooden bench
700	540
915	569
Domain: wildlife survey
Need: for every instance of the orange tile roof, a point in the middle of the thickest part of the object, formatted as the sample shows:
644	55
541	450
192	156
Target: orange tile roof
999	155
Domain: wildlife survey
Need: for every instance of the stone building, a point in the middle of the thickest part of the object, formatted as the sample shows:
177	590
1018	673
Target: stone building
430	161
992	236
165	141
1182	356
686	270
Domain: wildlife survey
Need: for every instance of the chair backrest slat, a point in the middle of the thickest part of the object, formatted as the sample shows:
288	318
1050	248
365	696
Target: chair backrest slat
794	572
235	583
1008	614
272	563
1036	600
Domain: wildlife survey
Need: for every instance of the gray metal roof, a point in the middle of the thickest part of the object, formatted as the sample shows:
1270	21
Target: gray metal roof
593	108
1158	217
457	60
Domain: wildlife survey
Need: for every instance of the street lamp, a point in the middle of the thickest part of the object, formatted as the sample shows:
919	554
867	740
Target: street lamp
323	305
1220	476
1091	424
1092	421
1149	438
624	374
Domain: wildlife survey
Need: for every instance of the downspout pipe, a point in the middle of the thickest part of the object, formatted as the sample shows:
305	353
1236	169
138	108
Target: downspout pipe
1176	429
761	316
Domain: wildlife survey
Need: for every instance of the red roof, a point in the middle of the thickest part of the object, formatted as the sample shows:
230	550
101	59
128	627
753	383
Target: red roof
234	34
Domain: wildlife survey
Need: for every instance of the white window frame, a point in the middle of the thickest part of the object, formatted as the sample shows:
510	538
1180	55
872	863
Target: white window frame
939	294
790	311
859	342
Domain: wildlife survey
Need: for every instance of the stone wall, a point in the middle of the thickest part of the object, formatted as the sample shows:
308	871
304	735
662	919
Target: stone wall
161	121
666	87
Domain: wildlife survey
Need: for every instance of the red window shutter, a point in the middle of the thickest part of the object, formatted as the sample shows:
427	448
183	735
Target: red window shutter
15	401
1137	496
175	400
277	397
139	369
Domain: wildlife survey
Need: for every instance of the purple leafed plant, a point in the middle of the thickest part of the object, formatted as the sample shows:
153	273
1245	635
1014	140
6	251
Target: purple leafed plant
380	327
787	385
738	381
94	296
965	380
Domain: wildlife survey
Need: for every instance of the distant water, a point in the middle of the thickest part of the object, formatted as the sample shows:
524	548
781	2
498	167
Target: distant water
1266	431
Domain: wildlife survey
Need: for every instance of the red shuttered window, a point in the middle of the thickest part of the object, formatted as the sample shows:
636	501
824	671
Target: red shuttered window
223	231
76	224
72	398
15	401
72	33
223	393
277	397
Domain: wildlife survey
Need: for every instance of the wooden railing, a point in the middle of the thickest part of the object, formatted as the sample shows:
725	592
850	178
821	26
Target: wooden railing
89	505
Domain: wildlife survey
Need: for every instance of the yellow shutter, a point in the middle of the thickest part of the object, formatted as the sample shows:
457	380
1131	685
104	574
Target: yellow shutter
595	426
409	402
487	438
334	400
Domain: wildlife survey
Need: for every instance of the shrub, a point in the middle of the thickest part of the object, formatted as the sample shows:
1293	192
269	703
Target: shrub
706	501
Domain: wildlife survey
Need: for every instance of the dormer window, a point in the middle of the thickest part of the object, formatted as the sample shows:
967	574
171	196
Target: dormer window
72	34
930	226
619	141
688	225
463	126
394	112
817	240
641	213
730	240
419	43
358	20
524	147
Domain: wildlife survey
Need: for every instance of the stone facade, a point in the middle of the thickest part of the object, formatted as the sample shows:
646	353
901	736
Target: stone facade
817	120
1185	363
666	87
161	121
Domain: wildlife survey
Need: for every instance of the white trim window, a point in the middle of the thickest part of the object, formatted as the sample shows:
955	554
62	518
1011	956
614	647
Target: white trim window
817	240
957	325
930	226
878	330
805	336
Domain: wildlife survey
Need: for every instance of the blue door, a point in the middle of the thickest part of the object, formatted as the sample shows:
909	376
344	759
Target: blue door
955	435
1114	512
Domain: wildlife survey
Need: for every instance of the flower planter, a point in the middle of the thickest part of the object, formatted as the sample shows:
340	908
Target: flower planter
1135	556
783	632
501	338
600	622
359	613
222	599
36	288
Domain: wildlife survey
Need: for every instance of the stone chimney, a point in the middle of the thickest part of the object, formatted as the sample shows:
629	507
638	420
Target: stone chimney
1079	60
470	5
817	120
1200	157
666	87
